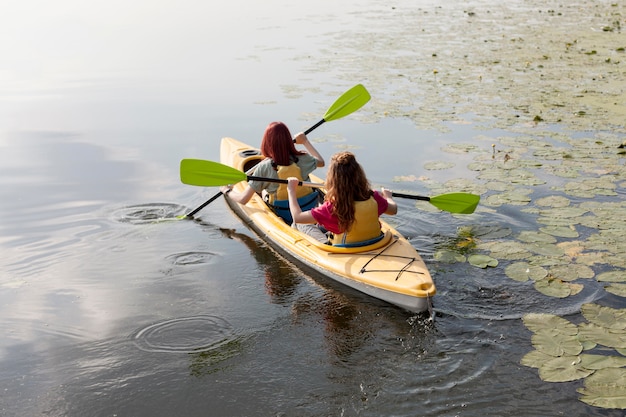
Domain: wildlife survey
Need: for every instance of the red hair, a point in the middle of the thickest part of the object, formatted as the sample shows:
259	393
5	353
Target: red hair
277	144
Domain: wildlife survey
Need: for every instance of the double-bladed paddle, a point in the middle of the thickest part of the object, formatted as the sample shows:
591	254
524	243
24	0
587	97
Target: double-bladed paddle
213	174
347	103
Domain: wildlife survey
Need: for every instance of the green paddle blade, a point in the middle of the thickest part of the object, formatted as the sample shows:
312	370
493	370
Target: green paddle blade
208	173
461	203
348	103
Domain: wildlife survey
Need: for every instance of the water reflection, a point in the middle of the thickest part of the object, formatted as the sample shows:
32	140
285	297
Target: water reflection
281	278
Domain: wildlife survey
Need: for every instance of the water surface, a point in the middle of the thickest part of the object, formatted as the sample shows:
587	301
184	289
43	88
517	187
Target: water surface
112	306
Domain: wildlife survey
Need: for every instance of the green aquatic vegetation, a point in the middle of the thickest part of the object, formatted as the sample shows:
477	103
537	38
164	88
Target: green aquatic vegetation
606	317
612	276
556	288
459	148
567	231
616	289
510	250
516	197
438	165
524	271
564	351
529	236
590	188
571	272
482	261
554	201
448	256
606	388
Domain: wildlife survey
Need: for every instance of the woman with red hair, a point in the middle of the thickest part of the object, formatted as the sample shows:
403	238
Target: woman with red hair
282	160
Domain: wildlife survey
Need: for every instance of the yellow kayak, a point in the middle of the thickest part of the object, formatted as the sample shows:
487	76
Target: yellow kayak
390	269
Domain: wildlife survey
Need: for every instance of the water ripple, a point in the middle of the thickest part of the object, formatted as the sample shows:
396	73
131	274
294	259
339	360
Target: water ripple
184	335
148	213
191	258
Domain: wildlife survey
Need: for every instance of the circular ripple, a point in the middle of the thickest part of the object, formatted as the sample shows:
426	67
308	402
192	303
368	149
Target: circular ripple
148	213
191	258
184	335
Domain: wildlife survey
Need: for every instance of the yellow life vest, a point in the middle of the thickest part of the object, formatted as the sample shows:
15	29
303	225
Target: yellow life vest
284	172
366	227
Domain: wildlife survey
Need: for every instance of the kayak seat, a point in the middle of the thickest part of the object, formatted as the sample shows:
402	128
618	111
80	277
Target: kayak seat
385	239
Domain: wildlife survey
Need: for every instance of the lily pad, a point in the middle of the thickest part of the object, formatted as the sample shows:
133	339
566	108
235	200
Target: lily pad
482	261
448	256
563	369
560	231
553	201
606	388
617	289
553	288
607	317
438	165
601	335
571	272
537	322
556	343
596	362
612	276
523	271
535	358
510	250
529	236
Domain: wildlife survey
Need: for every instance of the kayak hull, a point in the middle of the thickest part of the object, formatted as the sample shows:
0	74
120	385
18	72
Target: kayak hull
390	269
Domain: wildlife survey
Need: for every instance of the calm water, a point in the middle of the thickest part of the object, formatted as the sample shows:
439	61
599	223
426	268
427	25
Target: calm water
108	310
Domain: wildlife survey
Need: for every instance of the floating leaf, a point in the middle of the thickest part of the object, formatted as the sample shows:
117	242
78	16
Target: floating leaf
482	261
617	289
596	362
523	271
575	288
507	250
535	358
460	148
556	343
571	272
553	201
560	231
438	165
536	322
606	388
535	237
601	335
608	317
563	369
547	249
612	276
553	288
448	256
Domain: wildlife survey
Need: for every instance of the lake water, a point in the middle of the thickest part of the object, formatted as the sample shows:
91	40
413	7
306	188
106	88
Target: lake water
111	307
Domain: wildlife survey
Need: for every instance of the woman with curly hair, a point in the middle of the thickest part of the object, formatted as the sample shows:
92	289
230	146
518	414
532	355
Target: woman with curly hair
351	208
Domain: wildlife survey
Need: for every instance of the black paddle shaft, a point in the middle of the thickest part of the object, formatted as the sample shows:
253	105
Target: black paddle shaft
411	196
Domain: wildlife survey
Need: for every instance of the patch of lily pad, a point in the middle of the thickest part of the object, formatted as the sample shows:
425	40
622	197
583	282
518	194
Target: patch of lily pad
593	351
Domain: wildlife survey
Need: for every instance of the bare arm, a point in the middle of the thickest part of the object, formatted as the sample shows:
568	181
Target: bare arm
392	207
241	198
299	216
303	140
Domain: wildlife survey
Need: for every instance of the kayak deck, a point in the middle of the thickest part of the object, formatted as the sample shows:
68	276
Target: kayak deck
390	269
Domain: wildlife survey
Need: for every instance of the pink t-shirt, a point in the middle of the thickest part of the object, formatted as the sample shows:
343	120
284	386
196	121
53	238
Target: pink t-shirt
323	214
